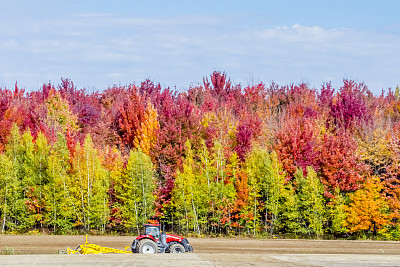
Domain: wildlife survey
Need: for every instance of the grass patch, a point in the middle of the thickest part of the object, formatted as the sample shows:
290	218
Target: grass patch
7	251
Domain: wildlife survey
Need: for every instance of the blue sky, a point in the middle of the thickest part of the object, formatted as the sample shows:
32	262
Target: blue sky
100	43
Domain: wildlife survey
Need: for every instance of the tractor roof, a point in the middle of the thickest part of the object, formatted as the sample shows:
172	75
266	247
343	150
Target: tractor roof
152	224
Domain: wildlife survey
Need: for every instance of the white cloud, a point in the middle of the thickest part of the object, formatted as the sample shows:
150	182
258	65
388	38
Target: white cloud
102	49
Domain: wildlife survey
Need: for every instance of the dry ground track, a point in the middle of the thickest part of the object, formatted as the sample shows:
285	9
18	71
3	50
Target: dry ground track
42	251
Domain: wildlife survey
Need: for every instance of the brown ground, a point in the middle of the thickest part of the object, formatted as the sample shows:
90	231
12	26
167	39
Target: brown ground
207	251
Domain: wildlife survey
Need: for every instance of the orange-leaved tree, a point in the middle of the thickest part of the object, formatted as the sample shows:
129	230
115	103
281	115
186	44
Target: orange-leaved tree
368	210
147	133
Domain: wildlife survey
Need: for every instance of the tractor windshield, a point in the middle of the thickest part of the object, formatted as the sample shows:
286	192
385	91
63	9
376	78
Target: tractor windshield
153	231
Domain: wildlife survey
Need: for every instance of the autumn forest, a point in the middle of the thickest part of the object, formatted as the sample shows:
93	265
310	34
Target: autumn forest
216	160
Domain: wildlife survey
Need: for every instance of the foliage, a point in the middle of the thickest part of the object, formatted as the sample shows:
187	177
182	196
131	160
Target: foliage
297	145
341	166
216	159
88	186
348	109
337	214
59	116
265	170
134	188
311	203
367	210
146	134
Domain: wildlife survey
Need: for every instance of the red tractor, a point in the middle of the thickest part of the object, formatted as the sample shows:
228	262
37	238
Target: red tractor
155	241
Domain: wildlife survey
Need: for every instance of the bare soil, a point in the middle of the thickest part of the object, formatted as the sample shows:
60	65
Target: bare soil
41	250
51	244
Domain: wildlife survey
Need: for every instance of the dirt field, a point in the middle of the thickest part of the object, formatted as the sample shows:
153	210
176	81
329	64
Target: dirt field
42	251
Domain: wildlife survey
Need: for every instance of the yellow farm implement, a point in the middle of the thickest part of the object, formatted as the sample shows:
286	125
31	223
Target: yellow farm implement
151	241
88	248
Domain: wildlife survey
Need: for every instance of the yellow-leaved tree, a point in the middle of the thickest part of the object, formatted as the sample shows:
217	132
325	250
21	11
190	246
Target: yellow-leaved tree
88	185
59	116
134	188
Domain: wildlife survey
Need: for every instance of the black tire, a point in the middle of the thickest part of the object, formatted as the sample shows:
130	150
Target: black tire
177	248
146	246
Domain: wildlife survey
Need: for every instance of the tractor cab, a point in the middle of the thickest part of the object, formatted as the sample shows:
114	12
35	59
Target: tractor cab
153	230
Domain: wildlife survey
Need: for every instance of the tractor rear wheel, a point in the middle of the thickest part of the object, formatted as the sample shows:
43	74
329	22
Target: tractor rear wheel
177	248
146	246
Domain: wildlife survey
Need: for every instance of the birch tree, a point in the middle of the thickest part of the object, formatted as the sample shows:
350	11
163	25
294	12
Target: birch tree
137	190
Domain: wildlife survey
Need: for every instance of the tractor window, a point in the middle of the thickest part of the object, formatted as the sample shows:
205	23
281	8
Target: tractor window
154	231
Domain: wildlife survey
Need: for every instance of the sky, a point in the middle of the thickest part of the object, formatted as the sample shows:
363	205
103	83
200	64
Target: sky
101	43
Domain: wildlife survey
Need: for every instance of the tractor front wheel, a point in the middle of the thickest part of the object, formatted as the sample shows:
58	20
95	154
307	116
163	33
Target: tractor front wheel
146	246
177	248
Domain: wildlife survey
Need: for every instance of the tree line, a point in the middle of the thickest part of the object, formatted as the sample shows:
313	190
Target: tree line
217	159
